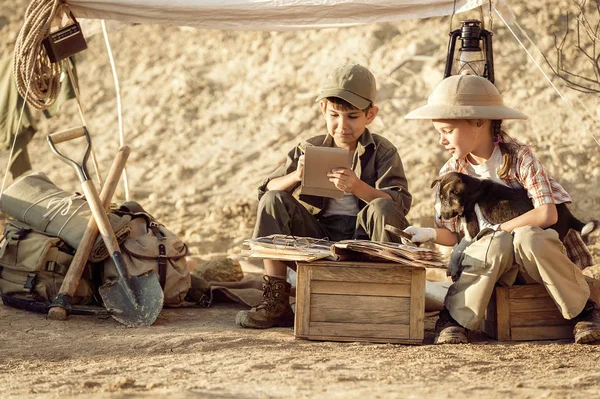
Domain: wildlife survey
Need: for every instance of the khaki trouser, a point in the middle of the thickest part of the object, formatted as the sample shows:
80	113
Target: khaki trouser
280	213
532	255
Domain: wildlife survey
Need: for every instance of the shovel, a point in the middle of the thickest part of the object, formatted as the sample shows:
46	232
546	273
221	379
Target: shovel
131	300
61	305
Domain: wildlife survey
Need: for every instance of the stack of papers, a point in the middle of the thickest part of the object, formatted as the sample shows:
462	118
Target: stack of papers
305	249
282	247
399	253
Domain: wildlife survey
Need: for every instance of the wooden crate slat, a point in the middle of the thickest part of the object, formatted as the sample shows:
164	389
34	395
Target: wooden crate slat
347	302
532	305
373	275
541	318
387	340
491	315
528	291
417	304
399	331
303	285
358	316
503	314
542	332
350	288
363	265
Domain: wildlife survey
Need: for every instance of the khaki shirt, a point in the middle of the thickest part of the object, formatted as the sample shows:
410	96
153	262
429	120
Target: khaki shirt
376	162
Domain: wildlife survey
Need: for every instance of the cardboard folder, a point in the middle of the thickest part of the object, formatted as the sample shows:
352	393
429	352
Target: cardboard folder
318	161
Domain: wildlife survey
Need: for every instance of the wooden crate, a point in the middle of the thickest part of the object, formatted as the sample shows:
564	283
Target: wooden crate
360	301
528	313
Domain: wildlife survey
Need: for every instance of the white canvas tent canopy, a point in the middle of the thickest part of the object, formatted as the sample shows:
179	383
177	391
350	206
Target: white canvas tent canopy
279	15
269	14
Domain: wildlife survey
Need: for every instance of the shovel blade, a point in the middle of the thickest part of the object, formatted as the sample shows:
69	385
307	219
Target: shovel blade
147	305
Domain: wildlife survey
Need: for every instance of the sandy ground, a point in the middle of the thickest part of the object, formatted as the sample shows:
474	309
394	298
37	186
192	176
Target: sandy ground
208	115
192	353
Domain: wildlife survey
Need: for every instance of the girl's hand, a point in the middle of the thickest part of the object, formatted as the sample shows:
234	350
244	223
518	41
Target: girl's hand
421	234
343	178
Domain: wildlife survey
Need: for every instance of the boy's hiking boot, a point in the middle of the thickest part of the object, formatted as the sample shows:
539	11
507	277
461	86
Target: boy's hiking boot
273	311
448	331
587	325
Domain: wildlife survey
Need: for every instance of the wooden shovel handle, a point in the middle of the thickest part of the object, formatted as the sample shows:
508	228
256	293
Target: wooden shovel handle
71	281
67	135
99	213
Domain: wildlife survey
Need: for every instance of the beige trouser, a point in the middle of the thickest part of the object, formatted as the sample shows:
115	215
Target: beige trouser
531	253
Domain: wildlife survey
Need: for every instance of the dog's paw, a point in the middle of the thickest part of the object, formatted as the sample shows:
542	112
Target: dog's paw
455	266
588	229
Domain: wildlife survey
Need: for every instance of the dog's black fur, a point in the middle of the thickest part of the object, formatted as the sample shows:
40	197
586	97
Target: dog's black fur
459	193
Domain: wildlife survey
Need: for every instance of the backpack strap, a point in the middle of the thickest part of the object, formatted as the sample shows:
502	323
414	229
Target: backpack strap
134	209
162	265
53	263
29	283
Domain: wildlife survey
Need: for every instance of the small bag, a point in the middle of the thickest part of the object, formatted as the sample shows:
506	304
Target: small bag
34	264
65	41
151	246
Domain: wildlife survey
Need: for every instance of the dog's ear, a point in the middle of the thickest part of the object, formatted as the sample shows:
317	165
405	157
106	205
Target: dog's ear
436	181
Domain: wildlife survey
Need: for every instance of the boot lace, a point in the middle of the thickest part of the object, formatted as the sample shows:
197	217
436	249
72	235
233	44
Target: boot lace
267	302
271	294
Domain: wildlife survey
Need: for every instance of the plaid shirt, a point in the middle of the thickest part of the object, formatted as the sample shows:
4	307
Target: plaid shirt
526	171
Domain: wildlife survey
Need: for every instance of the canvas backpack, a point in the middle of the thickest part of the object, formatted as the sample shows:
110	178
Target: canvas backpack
151	246
33	265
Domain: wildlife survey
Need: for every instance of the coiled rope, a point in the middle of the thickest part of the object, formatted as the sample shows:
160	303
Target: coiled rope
36	77
30	59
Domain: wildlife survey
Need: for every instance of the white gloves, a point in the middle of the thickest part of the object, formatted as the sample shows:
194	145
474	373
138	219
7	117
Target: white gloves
483	222
421	234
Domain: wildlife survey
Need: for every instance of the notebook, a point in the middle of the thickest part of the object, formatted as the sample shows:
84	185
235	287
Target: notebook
318	161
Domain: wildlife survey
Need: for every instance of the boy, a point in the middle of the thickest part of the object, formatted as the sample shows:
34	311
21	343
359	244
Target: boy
375	189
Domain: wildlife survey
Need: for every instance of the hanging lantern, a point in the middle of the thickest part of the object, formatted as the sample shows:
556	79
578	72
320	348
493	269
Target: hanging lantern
474	57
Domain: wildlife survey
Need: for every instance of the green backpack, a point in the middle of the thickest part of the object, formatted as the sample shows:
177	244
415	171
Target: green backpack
33	265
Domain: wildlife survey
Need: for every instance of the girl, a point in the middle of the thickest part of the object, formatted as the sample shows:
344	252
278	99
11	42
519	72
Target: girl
467	111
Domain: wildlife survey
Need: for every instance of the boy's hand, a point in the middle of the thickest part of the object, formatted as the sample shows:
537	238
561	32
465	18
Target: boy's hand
300	168
343	178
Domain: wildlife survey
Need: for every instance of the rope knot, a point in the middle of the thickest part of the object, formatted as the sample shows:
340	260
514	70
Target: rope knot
61	206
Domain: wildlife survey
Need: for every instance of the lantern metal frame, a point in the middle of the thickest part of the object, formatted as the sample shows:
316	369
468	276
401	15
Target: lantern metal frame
465	33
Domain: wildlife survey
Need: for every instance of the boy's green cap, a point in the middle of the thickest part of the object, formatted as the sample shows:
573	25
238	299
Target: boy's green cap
353	83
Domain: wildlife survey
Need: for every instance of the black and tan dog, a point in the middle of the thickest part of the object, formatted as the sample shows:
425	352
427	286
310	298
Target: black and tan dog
459	193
